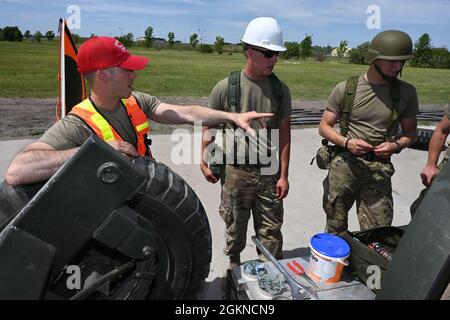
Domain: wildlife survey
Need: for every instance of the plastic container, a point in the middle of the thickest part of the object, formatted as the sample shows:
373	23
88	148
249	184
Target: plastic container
328	257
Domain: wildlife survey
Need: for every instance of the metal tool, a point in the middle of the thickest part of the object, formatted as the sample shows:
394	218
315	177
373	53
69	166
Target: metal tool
301	272
299	291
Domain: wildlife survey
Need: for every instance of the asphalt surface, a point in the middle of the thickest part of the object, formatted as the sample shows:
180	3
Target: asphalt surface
303	216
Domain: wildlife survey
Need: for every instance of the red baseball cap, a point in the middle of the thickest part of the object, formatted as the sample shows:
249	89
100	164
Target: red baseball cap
105	52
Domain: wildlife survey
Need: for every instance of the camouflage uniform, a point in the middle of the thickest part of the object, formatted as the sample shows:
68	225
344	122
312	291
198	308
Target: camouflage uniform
245	189
366	179
368	183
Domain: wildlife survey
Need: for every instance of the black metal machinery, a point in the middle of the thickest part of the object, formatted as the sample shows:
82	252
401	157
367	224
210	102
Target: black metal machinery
127	230
420	268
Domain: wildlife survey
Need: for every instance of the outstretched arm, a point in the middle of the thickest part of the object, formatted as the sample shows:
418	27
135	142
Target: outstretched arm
177	114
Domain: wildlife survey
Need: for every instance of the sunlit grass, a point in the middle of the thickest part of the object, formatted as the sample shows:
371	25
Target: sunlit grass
30	69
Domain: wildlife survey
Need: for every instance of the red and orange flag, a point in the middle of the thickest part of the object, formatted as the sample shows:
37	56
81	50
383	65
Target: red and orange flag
72	89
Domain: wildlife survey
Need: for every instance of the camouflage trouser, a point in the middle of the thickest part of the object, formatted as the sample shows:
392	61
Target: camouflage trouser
415	205
368	183
245	190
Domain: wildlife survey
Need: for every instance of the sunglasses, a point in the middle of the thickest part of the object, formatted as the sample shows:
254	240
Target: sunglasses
267	54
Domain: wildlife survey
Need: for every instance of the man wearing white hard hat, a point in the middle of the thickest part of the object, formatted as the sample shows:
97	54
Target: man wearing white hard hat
247	188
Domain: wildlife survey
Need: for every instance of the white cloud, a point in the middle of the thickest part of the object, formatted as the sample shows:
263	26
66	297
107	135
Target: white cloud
194	2
415	11
18	2
326	19
136	7
325	13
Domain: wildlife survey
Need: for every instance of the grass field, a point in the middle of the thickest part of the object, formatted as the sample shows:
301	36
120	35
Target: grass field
30	70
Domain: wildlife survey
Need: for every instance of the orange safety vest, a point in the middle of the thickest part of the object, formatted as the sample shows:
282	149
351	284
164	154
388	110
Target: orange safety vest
89	114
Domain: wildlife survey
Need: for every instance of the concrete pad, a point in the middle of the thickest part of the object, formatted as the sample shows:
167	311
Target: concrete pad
9	149
303	217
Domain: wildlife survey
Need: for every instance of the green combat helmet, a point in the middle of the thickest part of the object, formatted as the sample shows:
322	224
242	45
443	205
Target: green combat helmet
389	45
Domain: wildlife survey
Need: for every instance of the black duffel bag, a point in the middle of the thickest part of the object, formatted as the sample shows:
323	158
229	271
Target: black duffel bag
371	249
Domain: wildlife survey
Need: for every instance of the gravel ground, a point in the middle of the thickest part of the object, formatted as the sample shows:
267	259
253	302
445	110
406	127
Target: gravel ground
30	117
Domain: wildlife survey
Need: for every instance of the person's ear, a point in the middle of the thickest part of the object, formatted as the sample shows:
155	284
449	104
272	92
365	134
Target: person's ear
103	75
248	53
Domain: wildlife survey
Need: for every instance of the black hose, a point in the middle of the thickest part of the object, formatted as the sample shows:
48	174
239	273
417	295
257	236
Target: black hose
113	274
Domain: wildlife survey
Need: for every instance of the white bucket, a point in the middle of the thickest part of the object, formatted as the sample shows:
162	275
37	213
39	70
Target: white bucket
328	257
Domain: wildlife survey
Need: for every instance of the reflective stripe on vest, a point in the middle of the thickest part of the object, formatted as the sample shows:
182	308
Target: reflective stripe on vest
86	111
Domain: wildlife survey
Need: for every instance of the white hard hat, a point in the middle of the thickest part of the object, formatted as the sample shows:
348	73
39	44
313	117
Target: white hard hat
264	32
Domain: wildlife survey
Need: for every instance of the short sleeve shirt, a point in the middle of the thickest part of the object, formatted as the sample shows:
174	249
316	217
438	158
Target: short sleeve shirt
372	109
256	95
71	132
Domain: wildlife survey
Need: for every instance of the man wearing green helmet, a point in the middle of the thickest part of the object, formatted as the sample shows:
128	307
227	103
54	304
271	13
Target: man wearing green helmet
370	109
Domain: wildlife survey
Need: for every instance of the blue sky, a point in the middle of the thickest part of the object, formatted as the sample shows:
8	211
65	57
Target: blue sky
328	21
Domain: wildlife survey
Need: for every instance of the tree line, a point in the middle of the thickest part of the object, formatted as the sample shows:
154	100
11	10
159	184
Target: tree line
425	55
14	34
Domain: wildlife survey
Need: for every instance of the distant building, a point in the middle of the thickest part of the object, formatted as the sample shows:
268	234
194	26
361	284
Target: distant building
154	40
334	52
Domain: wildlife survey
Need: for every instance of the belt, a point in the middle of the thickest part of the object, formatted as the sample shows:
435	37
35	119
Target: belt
251	166
371	157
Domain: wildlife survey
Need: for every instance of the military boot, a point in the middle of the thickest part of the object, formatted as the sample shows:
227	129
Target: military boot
235	260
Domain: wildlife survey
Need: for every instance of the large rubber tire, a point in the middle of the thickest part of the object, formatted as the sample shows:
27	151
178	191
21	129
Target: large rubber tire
177	218
13	199
180	221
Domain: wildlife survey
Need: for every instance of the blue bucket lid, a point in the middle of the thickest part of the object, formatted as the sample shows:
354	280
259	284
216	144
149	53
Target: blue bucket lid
330	245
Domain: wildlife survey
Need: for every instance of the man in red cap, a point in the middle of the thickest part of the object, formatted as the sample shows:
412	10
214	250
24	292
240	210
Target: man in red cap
113	111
